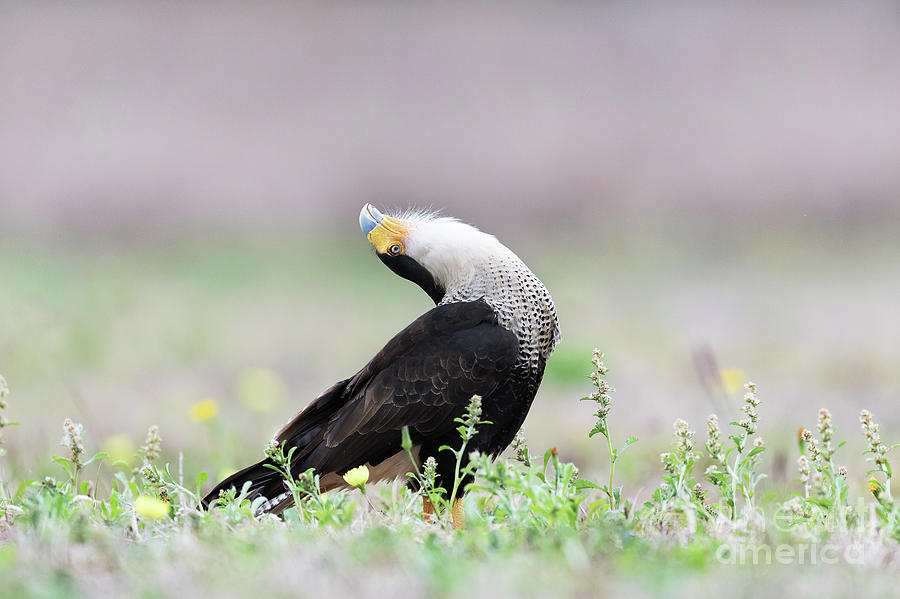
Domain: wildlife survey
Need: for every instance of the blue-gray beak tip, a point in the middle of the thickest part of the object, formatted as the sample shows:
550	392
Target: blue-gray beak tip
369	218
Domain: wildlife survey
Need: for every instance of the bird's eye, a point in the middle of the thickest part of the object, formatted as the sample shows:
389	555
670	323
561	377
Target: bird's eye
395	249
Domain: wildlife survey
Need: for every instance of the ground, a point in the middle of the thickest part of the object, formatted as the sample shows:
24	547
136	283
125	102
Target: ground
220	338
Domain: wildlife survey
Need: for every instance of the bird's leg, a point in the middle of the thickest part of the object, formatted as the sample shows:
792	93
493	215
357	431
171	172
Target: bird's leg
458	514
427	510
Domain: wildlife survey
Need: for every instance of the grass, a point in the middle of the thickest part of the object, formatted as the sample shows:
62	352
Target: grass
535	527
210	338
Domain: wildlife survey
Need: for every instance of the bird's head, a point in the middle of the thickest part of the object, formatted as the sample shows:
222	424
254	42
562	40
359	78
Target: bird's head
437	253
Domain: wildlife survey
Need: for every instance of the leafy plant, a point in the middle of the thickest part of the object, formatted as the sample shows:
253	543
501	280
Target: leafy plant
535	514
602	397
735	472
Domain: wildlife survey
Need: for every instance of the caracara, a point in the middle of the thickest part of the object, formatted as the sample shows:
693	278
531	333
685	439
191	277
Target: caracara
490	334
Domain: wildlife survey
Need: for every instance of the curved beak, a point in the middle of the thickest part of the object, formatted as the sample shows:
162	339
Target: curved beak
369	218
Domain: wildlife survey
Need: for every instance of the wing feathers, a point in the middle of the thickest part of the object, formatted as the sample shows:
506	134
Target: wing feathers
421	379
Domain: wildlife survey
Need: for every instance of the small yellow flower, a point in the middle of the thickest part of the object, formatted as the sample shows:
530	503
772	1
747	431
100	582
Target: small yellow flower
260	389
732	380
204	410
151	507
357	477
119	448
874	486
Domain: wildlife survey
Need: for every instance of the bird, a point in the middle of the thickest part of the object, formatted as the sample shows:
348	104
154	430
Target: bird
490	334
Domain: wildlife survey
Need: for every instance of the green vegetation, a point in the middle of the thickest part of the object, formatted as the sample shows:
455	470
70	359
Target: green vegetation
219	339
535	527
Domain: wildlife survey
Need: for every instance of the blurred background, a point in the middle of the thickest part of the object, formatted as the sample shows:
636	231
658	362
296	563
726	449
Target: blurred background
703	188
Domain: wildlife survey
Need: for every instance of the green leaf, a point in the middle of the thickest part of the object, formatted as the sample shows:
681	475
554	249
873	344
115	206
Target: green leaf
547	455
628	443
718	477
97	456
63	463
202	477
755	451
820	501
600	427
581	484
256	503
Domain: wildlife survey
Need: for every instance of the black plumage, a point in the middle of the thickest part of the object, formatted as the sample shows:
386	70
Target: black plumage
490	340
422	379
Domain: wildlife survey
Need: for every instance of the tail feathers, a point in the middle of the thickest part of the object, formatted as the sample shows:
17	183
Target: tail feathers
264	482
304	432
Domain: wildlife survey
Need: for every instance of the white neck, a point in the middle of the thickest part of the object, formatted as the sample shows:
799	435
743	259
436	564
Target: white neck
471	265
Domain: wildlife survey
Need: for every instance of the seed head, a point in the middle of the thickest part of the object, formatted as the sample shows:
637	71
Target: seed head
817	478
812	446
699	493
794	506
684	436
876	447
520	446
429	471
751	403
865	417
668	466
150	474
152	444
272	449
824	422
803	469
475	408
713	437
73	438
